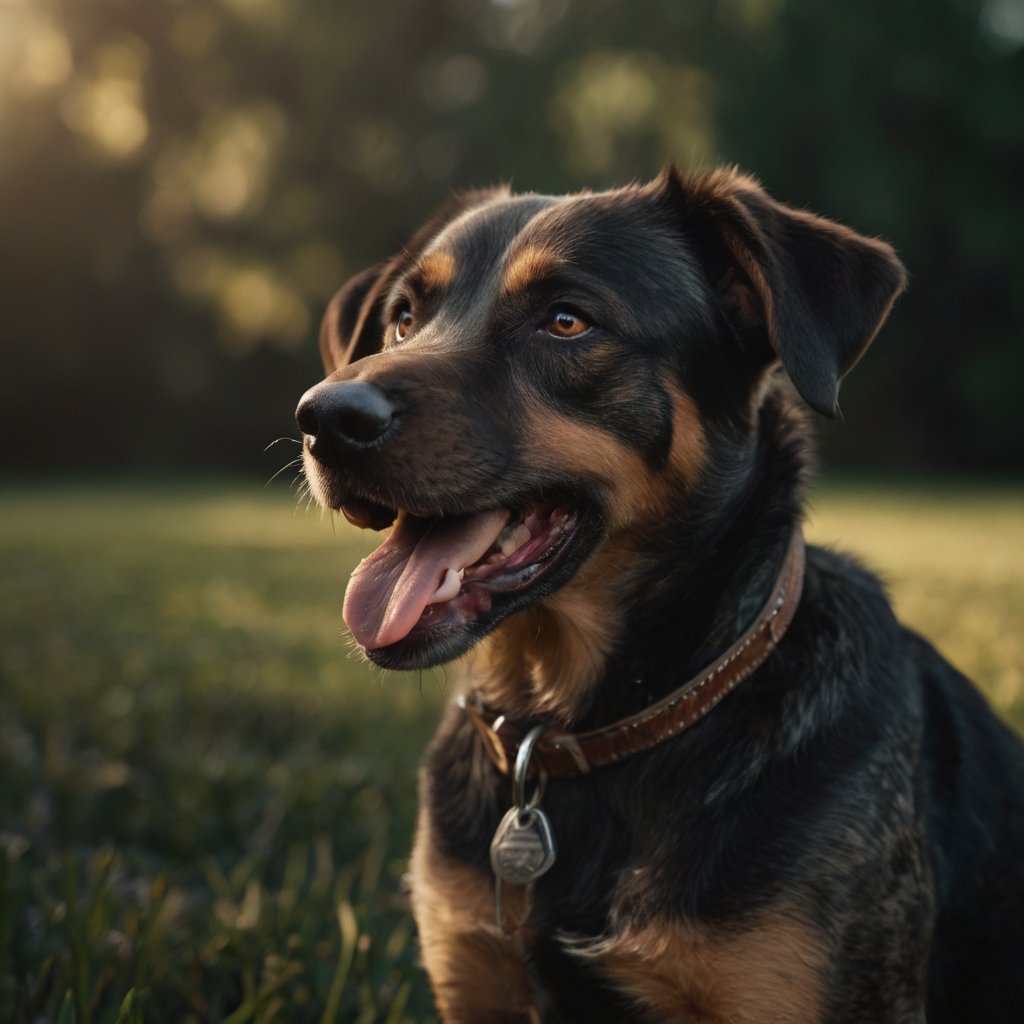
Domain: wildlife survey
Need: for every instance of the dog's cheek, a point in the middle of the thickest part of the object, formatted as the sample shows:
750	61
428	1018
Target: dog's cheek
688	452
607	455
557	446
609	389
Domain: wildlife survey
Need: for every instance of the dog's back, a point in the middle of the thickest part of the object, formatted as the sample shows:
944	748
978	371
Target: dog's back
973	799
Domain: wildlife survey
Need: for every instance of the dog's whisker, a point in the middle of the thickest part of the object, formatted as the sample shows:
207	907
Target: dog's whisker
288	465
278	440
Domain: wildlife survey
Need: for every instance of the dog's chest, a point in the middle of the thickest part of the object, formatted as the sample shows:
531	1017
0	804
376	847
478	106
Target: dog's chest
769	970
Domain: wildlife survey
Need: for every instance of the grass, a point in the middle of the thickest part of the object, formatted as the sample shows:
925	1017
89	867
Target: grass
207	804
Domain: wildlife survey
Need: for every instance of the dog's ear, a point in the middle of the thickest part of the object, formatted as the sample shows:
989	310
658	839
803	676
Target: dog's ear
353	325
821	290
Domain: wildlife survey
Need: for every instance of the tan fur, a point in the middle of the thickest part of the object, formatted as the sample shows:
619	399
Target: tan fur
437	269
770	973
640	495
689	445
545	661
477	970
527	266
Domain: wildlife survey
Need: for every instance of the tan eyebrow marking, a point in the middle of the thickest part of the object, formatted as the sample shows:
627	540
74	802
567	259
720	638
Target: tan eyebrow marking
528	266
436	270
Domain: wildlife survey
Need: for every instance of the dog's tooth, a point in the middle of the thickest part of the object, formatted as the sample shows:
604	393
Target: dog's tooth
449	588
512	538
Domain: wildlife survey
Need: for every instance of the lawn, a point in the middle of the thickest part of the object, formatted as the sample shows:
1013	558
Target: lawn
207	800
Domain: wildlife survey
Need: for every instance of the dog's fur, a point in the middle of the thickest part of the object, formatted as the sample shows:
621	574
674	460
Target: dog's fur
842	838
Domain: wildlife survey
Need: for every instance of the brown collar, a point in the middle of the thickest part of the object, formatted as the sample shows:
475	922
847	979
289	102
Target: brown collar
561	753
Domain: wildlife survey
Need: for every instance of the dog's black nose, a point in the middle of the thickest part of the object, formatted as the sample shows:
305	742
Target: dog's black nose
344	415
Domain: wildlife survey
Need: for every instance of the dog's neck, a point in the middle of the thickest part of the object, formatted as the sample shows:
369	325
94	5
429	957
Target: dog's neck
643	616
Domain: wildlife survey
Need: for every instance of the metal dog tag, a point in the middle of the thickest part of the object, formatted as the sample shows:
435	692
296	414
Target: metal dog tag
523	847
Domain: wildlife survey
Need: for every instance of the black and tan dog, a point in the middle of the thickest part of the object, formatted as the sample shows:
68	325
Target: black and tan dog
768	802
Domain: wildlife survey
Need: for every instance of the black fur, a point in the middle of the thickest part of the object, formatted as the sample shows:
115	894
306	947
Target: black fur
856	777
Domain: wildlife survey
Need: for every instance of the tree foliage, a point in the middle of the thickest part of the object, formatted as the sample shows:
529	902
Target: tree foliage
183	183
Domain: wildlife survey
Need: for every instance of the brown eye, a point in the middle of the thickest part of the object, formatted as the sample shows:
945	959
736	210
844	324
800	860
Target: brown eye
403	324
567	325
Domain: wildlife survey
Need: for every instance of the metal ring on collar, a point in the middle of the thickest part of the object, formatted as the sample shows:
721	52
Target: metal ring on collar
523	756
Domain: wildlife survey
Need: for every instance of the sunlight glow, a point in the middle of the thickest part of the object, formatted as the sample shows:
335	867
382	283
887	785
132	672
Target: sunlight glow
253	300
611	99
45	57
106	105
196	33
1002	22
231	163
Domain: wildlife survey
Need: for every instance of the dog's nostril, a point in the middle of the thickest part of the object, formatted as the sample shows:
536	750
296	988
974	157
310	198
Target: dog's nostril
350	413
306	417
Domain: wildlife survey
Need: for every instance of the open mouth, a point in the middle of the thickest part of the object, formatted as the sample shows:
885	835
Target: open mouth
435	585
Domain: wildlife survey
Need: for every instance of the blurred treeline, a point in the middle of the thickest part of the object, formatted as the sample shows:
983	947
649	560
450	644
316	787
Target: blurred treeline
183	183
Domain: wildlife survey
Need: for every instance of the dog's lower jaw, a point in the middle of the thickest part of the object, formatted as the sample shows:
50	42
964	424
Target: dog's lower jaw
522	566
543	663
546	661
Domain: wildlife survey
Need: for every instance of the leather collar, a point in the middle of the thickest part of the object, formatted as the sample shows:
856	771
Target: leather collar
561	754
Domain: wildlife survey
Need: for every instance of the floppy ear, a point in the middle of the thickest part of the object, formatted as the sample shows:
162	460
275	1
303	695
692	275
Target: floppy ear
353	325
821	290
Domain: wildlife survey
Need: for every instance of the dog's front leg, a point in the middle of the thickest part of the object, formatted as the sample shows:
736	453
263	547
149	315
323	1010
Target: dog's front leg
477	969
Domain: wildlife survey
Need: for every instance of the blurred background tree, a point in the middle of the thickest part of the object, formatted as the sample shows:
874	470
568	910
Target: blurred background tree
183	184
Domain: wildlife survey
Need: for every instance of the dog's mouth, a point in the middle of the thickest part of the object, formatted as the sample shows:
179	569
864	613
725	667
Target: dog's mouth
436	585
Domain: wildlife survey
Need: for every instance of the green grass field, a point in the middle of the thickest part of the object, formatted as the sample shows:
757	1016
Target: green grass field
206	801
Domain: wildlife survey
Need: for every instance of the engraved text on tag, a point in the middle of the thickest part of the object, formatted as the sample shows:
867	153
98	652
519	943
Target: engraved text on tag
523	847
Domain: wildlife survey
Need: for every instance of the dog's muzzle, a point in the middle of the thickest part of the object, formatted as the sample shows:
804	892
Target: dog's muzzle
342	417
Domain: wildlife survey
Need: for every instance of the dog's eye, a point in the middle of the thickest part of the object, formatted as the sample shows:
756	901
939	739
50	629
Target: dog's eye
566	325
403	323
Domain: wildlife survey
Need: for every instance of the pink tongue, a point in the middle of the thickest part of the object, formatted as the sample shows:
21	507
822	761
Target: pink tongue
390	588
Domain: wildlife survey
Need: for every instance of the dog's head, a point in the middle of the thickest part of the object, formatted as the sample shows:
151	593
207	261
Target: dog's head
535	377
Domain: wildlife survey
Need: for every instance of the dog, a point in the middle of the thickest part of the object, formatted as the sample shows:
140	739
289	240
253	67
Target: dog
698	772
